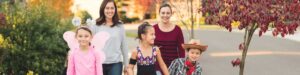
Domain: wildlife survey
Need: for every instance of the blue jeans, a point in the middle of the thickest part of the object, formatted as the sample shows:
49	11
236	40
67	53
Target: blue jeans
113	69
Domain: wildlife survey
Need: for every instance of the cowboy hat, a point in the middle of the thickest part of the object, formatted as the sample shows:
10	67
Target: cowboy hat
195	44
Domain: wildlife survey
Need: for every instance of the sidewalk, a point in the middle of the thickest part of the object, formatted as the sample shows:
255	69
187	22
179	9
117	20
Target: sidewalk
201	27
295	37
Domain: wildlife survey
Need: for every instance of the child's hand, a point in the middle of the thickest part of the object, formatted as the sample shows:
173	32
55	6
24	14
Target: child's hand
128	71
125	71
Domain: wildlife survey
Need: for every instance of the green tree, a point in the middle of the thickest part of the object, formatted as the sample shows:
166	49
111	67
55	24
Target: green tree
33	40
85	16
125	19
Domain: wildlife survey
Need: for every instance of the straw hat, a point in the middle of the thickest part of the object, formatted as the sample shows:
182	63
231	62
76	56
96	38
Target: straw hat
195	44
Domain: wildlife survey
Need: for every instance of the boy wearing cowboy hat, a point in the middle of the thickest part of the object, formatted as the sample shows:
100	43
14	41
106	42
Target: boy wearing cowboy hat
188	65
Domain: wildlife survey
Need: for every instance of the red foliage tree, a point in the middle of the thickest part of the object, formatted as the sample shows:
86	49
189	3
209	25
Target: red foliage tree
2	19
280	16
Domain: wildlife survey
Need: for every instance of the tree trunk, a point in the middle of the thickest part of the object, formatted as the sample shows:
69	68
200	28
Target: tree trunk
192	20
247	39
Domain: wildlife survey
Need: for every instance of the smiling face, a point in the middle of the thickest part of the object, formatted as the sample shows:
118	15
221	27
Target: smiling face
149	36
109	10
194	54
165	14
84	37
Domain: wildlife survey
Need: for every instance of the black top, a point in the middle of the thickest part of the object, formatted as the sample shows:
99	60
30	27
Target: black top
146	65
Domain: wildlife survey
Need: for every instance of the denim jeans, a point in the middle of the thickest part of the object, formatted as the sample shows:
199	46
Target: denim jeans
113	69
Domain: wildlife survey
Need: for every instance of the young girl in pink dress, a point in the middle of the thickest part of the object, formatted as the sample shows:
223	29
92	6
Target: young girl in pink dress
85	56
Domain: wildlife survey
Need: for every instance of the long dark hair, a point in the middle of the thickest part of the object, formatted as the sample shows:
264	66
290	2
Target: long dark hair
102	17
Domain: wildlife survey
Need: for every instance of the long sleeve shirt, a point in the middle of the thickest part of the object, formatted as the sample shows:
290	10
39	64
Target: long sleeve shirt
85	63
170	44
115	48
178	67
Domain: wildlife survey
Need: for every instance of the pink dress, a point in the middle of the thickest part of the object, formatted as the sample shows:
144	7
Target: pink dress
89	62
85	63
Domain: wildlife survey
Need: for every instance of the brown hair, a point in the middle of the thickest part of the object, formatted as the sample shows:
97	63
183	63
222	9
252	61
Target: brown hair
142	29
165	5
102	17
188	49
83	28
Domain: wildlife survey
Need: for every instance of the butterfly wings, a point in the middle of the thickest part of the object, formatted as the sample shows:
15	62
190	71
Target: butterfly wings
97	42
69	37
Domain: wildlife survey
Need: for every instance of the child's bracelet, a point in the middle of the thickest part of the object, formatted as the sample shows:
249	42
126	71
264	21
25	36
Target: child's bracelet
132	61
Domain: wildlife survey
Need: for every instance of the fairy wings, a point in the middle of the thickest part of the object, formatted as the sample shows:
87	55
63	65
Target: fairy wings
98	41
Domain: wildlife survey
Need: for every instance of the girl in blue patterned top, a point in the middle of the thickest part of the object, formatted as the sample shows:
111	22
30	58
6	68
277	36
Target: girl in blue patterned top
146	54
189	65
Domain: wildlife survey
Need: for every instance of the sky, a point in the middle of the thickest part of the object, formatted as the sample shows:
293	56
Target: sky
91	6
